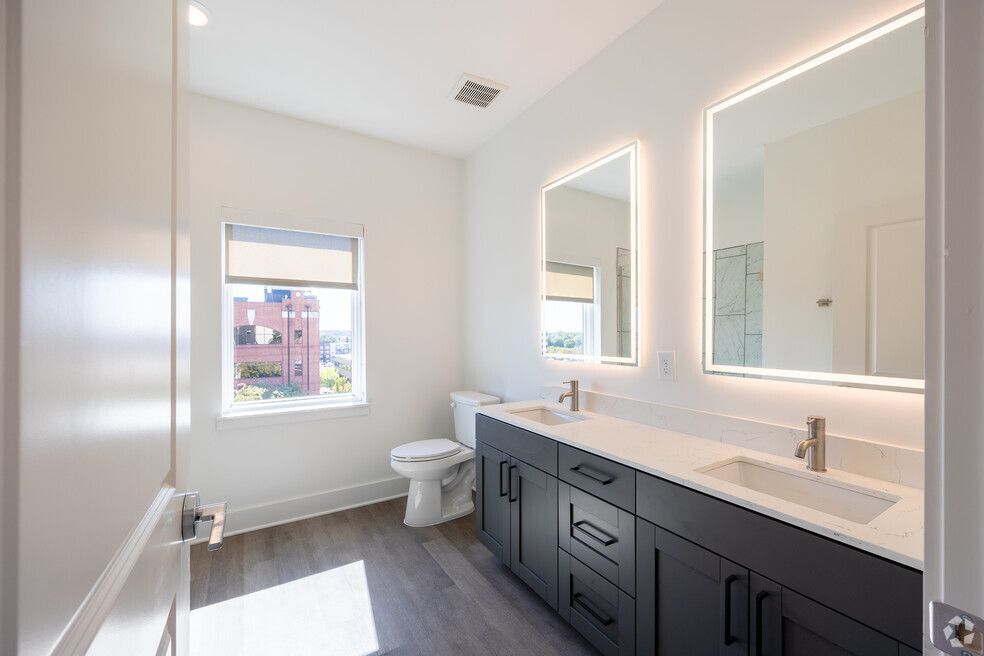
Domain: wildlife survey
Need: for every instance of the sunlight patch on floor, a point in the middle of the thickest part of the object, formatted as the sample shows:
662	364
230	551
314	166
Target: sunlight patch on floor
325	613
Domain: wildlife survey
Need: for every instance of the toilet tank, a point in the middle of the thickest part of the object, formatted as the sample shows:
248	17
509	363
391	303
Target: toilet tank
464	405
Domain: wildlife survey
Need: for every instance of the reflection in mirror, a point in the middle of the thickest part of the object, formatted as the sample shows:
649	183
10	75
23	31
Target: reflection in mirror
589	262
814	210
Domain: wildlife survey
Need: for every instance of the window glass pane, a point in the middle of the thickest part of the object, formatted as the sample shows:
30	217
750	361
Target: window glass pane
247	334
563	327
315	361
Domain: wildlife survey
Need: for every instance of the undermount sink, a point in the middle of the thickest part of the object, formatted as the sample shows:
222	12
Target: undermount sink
855	504
547	417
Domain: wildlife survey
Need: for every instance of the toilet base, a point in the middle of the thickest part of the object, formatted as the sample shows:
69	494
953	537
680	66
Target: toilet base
429	502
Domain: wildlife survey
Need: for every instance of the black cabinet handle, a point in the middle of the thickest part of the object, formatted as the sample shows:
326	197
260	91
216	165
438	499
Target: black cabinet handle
511	497
594	533
502	492
759	598
593	474
728	638
592	610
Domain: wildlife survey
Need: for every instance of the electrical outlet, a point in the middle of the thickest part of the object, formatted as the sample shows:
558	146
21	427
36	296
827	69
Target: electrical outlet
667	365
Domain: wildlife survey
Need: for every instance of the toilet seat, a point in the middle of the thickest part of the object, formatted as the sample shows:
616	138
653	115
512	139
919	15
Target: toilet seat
424	450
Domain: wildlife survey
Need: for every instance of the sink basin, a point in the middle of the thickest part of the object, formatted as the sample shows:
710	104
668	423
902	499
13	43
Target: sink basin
547	417
855	504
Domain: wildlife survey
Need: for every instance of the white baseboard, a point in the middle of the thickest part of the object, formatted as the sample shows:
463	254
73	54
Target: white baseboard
251	518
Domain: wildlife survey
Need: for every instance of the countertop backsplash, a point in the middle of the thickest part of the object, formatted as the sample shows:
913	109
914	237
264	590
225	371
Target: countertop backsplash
881	461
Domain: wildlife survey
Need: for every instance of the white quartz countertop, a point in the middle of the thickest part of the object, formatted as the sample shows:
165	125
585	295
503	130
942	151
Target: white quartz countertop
896	534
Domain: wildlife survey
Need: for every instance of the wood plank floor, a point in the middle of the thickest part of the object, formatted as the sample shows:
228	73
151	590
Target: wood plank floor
360	582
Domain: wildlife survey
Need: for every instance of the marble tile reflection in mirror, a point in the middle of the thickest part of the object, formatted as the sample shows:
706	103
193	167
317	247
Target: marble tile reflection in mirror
814	217
589	262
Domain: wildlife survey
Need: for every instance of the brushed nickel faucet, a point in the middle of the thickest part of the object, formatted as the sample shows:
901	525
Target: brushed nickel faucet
814	447
572	395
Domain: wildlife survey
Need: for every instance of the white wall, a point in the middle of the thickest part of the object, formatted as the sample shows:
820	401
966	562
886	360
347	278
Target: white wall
585	228
824	187
410	203
650	84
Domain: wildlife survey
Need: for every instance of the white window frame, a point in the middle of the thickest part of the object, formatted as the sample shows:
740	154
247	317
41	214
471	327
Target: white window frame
273	412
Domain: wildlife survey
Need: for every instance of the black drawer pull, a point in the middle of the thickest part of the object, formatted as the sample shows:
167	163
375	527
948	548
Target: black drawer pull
502	492
728	638
759	598
592	610
592	473
510	474
594	533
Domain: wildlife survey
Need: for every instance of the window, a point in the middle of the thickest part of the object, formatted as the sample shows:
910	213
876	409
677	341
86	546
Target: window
303	285
247	335
571	316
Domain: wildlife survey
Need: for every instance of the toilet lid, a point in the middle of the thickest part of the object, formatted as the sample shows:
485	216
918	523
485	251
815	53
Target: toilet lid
425	450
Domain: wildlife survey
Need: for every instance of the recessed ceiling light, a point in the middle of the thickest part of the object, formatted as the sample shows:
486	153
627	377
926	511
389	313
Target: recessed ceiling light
197	14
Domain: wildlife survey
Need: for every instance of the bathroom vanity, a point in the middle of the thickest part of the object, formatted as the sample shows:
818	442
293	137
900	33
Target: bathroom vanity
654	542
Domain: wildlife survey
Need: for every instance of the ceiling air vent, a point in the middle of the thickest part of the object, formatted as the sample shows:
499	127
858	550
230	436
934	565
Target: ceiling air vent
476	91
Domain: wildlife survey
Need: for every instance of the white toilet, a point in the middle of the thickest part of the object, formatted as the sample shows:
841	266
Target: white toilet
442	472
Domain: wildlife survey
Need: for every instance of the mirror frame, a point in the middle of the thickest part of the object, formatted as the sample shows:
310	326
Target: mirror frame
854	380
632	150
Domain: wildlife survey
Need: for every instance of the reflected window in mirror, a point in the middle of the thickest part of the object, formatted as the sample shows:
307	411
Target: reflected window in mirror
589	262
814	217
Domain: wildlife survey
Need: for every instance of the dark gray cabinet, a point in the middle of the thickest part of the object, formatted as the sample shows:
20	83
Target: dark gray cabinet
596	608
492	500
640	565
789	624
516	503
689	600
611	481
598	534
872	591
533	529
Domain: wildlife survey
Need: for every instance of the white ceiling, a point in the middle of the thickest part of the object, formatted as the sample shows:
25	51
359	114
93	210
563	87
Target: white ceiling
385	68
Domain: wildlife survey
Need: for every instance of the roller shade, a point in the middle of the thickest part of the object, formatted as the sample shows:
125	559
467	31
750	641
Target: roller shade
290	258
570	282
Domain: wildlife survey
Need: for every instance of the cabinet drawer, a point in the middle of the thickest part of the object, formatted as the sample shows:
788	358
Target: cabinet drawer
531	448
603	478
598	534
595	607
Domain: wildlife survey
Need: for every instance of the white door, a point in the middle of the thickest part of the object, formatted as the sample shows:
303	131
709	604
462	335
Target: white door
955	311
94	327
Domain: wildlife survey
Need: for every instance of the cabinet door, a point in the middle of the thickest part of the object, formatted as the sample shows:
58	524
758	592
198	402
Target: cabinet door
689	600
533	533
787	623
492	500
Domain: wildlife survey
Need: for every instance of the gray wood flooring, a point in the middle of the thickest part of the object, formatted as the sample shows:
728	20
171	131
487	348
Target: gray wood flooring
298	589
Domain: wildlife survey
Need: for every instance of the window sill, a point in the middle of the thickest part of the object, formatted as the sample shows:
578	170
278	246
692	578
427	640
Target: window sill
284	414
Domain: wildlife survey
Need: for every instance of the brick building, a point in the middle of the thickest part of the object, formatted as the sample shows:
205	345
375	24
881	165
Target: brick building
277	340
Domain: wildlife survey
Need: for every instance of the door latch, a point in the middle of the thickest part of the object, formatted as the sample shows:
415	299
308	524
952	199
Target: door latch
954	631
194	514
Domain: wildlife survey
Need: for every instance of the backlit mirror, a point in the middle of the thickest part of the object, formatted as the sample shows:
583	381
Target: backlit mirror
814	217
589	260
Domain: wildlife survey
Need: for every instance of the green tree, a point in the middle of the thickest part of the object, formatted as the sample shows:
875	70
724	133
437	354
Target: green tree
248	393
335	382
